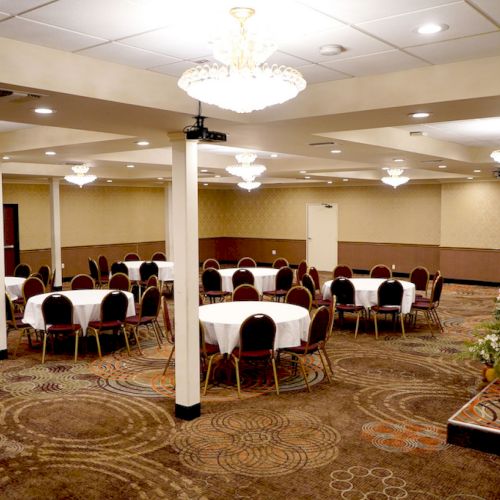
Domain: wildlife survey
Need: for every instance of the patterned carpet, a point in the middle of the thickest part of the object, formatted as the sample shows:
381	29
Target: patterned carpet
105	429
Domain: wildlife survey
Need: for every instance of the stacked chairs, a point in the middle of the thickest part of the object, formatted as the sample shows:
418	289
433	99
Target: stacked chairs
430	306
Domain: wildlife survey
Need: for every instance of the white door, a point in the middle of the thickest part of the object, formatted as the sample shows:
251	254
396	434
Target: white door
322	236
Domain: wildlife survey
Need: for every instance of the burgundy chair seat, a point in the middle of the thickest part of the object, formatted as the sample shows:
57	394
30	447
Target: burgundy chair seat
421	305
275	293
217	294
134	320
320	301
387	309
263	353
64	328
301	349
349	307
105	325
211	349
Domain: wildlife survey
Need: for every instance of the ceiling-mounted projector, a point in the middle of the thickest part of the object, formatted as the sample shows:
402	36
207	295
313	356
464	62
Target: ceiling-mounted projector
200	132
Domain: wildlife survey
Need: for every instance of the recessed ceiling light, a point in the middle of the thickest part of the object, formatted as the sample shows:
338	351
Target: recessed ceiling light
345	180
142	143
420	114
335	151
50	153
477	171
130	166
5	157
470	178
109	180
329	182
331	49
44	111
431	28
274	155
205	183
160	178
217	176
303	171
204	170
442	166
307	177
398	159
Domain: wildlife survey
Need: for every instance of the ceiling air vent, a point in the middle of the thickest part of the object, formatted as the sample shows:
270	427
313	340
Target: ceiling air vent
7	95
326	143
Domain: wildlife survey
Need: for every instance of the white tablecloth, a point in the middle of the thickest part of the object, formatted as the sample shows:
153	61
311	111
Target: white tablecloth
14	287
222	322
165	270
366	292
86	307
265	278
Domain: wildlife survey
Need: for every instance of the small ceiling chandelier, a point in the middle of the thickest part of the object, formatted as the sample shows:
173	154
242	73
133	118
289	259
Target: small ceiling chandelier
243	82
395	178
246	169
496	155
249	185
80	178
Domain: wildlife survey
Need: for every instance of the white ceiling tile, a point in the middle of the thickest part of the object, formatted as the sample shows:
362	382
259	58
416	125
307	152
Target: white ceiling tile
110	19
46	35
356	11
17	6
281	58
489	7
175	69
354	42
9	126
127	55
314	73
462	20
459	50
3	15
382	62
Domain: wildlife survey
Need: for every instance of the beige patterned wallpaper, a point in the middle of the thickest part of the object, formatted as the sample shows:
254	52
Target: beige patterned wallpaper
471	215
213	212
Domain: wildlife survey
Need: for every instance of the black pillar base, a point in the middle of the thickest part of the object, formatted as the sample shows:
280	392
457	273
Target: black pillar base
57	288
188	412
3	354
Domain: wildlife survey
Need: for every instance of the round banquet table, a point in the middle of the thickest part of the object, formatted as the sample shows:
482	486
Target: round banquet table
366	292
86	307
165	270
265	278
14	286
222	322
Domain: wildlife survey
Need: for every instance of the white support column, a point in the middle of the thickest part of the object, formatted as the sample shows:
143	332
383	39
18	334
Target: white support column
186	290
169	238
3	325
55	230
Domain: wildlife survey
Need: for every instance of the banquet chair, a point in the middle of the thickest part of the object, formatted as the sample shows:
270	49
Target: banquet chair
52	281
119	267
299	296
242	277
22	270
44	272
316	340
429	307
342	271
102	263
419	276
14	322
313	272
214	263
280	262
344	293
245	292
284	281
57	312
301	270
389	299
31	287
207	354
246	262
95	273
257	334
147	315
131	256
120	281
380	271
112	318
212	285
167	325
147	269
82	282
153	281
317	299
159	256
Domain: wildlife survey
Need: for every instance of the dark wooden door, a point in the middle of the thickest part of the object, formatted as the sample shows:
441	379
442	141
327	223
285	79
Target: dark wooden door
11	238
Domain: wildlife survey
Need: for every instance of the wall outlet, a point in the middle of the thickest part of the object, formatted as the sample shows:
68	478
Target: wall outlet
393	267
273	252
62	265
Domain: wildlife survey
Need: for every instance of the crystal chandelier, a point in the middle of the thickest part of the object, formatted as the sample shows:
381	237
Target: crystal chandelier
395	178
245	168
249	185
80	177
243	82
496	155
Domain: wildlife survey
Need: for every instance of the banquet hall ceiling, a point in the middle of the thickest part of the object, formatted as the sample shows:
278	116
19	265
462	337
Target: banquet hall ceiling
358	101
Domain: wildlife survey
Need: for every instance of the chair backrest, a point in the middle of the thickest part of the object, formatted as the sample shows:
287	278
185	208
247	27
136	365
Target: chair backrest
301	270
246	262
103	265
437	288
148	268
44	272
94	270
299	296
114	306
242	277
159	256
390	293
150	302
380	271
119	281
82	282
211	280
131	256
152	281
257	333
119	267
342	271
57	309
32	286
245	292
166	319
22	271
313	272
284	278
319	327
10	316
308	282
419	276
214	263
280	262
343	291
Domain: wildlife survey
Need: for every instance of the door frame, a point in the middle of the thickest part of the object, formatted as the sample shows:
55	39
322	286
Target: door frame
324	204
17	250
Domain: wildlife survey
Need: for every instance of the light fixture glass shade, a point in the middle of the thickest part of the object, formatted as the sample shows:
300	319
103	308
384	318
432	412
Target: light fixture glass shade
496	155
243	82
395	178
81	177
249	185
245	168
